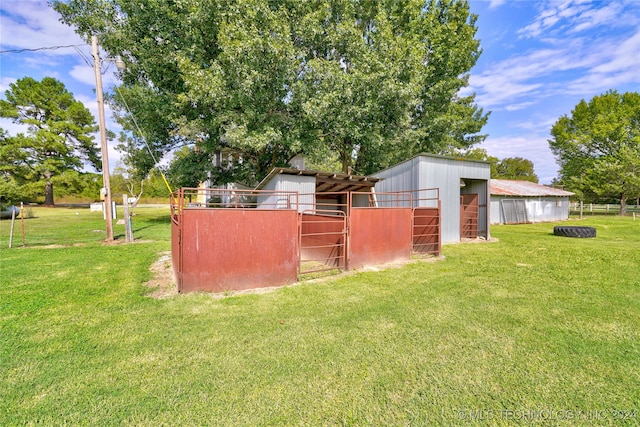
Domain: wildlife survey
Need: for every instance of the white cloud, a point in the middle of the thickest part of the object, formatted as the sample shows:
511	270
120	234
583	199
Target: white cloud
34	26
537	126
520	106
534	148
573	66
496	3
590	18
573	16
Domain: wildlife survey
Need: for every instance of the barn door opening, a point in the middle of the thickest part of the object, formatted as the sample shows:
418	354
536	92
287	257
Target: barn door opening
469	216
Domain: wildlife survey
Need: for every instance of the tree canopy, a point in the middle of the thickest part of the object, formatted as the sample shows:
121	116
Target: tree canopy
516	168
366	82
58	136
598	147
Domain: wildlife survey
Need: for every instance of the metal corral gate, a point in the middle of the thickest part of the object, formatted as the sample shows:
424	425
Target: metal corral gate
323	234
469	210
234	239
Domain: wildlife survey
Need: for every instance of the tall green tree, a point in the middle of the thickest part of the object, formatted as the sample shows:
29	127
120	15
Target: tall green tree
598	147
516	168
367	82
58	136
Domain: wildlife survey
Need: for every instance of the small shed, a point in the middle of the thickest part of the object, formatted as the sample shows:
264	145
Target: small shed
313	186
520	202
463	185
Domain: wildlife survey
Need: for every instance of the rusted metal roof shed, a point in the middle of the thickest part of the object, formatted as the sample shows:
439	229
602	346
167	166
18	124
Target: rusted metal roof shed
516	202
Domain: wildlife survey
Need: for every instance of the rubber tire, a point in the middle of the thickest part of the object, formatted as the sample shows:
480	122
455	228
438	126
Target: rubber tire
574	231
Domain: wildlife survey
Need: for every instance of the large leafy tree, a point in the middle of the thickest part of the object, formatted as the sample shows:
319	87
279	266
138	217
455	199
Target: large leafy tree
367	82
516	168
598	147
58	137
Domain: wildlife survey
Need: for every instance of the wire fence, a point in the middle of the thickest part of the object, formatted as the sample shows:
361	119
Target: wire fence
36	226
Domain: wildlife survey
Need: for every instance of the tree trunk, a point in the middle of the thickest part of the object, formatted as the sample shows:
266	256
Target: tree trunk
623	205
346	162
48	194
48	190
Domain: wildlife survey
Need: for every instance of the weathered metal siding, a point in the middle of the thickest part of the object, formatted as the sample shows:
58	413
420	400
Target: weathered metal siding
402	177
361	200
176	251
235	249
379	235
539	209
304	185
444	173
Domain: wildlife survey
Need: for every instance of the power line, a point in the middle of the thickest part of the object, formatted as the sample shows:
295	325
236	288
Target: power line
41	48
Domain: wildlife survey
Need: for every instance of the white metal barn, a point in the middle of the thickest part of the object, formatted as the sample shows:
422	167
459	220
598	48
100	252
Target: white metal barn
463	185
519	202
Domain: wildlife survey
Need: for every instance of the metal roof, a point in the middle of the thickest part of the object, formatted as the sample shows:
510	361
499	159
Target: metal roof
507	187
326	181
437	157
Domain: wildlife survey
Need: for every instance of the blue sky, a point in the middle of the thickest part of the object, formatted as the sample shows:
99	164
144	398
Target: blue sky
540	58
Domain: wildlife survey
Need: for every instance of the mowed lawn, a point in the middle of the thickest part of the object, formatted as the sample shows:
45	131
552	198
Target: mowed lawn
532	328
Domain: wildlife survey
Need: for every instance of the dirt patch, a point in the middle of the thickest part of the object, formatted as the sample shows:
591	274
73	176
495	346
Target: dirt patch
164	285
415	258
163	281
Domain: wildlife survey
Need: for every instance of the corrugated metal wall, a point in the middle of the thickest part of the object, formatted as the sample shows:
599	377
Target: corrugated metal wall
444	173
402	177
304	185
539	209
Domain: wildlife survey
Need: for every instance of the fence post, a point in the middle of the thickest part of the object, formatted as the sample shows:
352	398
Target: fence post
581	208
22	220
13	221
127	219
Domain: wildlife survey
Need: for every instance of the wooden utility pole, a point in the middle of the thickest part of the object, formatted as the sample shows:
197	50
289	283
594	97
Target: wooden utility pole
97	68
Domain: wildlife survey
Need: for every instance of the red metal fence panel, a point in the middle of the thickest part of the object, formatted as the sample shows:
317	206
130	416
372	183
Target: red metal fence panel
176	252
242	239
235	249
379	235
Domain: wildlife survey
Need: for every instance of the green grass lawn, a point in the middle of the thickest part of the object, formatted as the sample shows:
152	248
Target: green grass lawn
533	328
73	226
